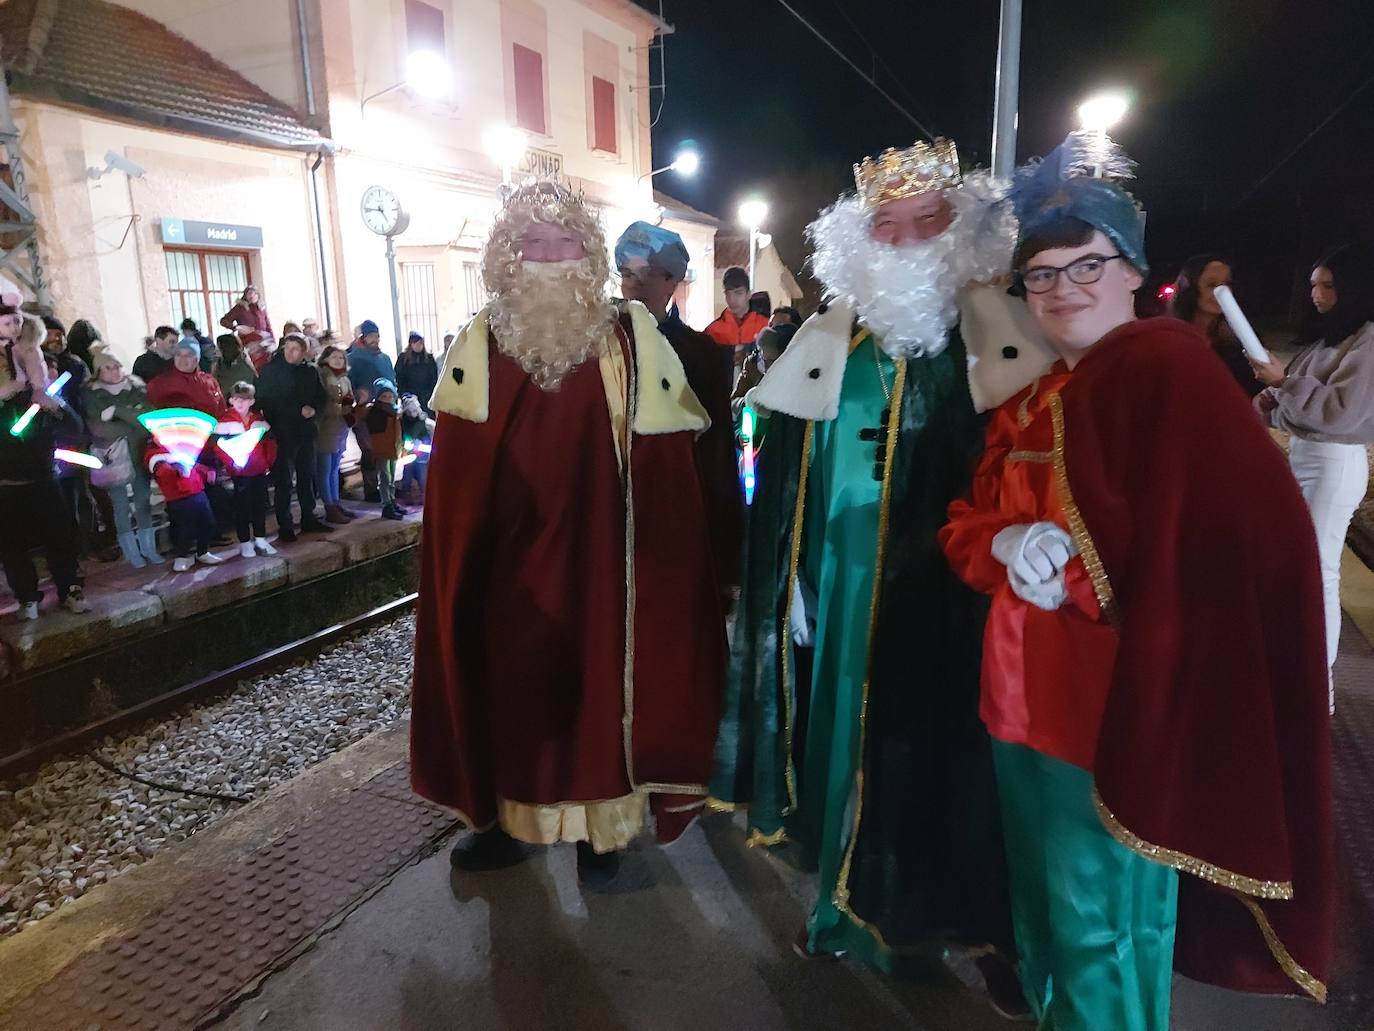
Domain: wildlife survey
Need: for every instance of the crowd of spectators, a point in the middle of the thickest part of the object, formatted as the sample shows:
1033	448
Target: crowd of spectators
301	396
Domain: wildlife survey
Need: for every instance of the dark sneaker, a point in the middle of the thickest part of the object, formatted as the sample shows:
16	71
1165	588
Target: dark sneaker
75	601
286	535
1004	987
315	526
391	512
596	870
492	849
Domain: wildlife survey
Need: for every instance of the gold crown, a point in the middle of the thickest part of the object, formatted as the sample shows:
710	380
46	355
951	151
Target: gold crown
909	172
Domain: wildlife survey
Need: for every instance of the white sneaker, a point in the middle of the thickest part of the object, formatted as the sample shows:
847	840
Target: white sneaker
28	611
264	548
246	550
209	559
182	563
76	602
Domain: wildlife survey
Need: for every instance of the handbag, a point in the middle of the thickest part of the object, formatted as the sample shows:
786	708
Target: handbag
117	465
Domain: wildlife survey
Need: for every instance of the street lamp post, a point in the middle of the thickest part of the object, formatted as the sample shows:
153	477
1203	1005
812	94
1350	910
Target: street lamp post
1099	113
1007	90
685	163
506	146
752	214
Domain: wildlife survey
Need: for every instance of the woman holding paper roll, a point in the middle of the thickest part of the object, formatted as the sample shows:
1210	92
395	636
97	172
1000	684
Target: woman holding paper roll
1325	400
1194	300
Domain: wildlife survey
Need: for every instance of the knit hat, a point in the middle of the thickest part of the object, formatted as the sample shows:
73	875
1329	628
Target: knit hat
50	323
734	278
367	328
188	344
414	336
382	383
101	356
661	248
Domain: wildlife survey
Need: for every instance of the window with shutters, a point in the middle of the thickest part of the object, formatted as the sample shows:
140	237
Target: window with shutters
529	89
425	27
603	115
204	285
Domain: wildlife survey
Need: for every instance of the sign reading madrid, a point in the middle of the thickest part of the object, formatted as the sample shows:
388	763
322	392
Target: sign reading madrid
210	234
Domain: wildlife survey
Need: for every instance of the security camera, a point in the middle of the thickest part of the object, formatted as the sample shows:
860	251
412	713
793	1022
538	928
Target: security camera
117	163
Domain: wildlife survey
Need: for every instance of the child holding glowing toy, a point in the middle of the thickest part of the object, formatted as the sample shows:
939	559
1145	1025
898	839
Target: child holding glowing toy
417	429
248	453
183	482
384	425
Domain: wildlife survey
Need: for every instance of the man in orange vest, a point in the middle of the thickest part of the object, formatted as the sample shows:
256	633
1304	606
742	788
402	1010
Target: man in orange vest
737	326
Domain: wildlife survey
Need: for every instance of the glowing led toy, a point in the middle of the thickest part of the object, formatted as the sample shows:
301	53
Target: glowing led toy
747	466
182	431
240	447
55	387
77	458
22	423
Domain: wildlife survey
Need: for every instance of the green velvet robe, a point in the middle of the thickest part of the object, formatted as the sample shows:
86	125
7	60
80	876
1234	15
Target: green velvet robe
877	764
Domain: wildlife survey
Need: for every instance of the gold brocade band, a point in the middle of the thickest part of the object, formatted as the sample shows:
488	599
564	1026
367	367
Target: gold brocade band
1190	864
1087	550
757	839
841	896
608	825
785	644
1031	456
1282	956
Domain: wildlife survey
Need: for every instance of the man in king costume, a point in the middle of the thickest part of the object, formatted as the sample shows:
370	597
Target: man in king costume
570	643
851	720
1154	672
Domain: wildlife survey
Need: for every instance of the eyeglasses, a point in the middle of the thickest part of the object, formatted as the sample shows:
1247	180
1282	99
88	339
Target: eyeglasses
1086	270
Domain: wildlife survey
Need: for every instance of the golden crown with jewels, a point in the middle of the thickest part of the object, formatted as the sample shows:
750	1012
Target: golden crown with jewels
909	172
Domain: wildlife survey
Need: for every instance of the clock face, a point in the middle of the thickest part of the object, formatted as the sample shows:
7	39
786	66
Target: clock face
382	211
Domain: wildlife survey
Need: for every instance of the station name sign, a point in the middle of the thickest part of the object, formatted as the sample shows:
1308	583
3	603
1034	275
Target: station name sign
211	234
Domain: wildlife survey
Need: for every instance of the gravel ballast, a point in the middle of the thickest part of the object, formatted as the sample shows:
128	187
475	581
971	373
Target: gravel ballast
73	824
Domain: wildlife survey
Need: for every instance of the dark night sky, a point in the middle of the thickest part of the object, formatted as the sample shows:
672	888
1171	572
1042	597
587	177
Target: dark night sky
1224	89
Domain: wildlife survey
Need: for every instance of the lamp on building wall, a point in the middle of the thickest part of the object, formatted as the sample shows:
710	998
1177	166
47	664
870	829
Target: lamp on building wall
506	146
686	162
752	214
427	76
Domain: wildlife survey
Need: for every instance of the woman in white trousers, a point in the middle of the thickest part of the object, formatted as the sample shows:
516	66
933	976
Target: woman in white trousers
1324	398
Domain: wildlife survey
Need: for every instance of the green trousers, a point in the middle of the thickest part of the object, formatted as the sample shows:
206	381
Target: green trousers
1094	921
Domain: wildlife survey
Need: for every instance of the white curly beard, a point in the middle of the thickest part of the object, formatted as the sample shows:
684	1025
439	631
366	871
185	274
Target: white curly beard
552	319
908	295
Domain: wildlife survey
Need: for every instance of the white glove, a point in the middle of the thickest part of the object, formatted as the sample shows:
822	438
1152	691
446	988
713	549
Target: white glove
108	414
1035	555
803	614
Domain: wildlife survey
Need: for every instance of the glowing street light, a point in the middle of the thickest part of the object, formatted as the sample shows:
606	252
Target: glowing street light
427	75
686	162
752	214
506	146
1101	111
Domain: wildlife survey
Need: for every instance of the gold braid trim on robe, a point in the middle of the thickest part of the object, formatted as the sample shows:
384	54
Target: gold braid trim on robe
609	825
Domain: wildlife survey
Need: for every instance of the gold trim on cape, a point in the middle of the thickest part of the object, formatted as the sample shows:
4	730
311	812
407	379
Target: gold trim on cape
628	705
608	825
1030	456
841	895
1282	956
758	839
785	645
1219	875
1092	561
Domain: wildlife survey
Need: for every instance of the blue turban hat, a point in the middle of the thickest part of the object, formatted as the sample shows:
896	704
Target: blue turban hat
662	248
1075	181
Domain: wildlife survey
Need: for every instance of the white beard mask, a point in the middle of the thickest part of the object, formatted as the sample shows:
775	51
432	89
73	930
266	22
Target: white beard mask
552	319
908	296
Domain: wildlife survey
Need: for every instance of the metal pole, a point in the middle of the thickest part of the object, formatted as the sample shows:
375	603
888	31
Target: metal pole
1008	90
395	294
753	249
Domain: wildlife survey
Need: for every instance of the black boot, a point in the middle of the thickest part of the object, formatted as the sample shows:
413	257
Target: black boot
492	849
596	870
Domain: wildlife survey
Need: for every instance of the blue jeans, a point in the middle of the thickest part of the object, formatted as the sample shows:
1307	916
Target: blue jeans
119	502
327	475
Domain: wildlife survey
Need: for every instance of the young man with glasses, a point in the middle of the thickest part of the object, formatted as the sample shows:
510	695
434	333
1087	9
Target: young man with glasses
1154	662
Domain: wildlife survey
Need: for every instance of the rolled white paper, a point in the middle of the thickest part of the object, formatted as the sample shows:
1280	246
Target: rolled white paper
1240	325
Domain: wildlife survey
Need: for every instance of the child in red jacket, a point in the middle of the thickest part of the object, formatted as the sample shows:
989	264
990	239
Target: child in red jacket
249	470
188	509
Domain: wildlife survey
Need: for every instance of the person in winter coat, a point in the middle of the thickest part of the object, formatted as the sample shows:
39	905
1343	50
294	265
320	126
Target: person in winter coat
417	430
185	386
112	401
334	420
188	509
249	471
291	396
81	338
249	313
157	358
383	422
366	364
417	372
208	349
233	365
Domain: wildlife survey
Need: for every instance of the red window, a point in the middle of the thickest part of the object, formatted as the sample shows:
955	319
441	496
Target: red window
425	27
529	89
603	115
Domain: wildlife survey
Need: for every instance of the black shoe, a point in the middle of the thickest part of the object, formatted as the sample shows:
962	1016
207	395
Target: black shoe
315	526
492	849
596	870
400	507
286	535
1004	987
392	512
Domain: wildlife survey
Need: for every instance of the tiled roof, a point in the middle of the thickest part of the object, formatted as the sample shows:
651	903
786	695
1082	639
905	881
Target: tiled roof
97	55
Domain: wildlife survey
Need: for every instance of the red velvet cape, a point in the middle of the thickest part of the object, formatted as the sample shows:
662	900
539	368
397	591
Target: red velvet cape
1215	752
520	689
